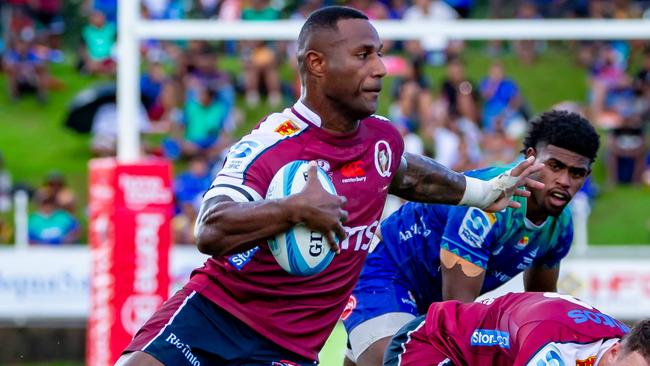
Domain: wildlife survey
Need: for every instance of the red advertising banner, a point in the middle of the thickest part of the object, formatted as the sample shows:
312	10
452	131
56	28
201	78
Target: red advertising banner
130	208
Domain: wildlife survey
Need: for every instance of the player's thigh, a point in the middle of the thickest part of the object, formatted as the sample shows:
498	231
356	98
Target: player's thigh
377	309
138	358
374	354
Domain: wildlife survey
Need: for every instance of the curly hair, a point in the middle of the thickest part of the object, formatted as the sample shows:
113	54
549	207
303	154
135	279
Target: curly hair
563	129
638	339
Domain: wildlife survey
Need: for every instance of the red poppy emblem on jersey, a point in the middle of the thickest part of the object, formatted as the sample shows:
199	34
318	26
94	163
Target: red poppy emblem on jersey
587	362
287	128
353	169
352	303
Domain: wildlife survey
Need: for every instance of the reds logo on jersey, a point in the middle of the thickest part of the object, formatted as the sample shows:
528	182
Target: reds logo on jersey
586	362
383	158
287	128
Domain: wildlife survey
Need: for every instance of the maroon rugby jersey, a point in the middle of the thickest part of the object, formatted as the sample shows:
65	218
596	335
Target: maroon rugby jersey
299	313
517	329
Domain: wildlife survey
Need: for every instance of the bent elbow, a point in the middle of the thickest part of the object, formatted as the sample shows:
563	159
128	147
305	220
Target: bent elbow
210	241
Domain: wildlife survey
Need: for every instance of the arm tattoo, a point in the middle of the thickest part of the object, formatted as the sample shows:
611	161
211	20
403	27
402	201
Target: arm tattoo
424	180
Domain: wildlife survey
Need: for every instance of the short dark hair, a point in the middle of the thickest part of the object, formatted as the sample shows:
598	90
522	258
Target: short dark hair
326	18
563	129
638	339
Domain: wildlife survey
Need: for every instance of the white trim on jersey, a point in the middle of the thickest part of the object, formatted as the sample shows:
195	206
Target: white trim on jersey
230	181
236	191
569	352
307	113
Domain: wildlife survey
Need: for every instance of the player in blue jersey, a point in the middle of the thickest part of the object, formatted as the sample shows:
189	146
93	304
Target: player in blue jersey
431	253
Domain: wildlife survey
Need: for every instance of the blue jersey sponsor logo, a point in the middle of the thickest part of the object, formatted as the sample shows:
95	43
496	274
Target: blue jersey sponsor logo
239	260
580	316
475	227
490	337
244	148
550	358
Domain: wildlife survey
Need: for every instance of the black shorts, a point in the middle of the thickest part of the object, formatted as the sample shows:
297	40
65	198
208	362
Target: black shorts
191	330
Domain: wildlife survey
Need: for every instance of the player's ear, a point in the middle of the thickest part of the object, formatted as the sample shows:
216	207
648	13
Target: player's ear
612	354
315	63
530	152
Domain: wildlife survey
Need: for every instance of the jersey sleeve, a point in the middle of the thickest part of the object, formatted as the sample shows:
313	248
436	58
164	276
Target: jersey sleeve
469	234
561	248
240	179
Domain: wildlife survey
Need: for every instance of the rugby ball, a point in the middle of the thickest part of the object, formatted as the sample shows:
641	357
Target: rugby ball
299	250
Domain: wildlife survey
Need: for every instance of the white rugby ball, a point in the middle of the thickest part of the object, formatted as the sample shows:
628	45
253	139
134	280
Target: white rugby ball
299	250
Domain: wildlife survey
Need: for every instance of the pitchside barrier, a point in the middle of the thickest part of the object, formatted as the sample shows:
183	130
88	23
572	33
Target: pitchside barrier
53	284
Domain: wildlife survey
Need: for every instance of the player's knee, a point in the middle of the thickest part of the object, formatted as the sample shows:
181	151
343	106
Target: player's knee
137	359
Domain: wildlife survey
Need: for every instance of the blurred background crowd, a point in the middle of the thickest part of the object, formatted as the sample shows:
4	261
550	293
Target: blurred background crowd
198	96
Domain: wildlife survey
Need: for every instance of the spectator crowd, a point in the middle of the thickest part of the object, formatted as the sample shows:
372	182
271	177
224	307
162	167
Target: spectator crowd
189	111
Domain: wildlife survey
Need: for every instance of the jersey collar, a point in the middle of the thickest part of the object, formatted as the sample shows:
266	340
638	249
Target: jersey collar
305	114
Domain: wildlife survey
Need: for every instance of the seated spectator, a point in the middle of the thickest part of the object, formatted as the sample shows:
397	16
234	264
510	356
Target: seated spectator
456	143
166	109
412	100
260	58
5	187
498	147
501	99
56	189
201	131
51	225
459	92
25	70
627	150
99	40
48	14
190	185
610	85
433	48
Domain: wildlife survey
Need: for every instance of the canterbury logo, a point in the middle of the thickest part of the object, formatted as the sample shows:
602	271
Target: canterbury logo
353	169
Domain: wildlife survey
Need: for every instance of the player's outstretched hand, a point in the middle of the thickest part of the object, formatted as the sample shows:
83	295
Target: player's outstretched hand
509	181
320	210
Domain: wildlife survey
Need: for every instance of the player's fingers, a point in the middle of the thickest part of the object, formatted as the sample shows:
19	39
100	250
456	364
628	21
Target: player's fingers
532	183
329	236
514	204
343	200
522	193
312	173
521	167
344	215
530	170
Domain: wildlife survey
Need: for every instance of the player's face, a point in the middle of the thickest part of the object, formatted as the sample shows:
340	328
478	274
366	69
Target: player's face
354	68
563	174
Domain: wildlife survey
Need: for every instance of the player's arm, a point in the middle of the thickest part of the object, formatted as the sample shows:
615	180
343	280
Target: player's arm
225	226
461	279
422	179
540	278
